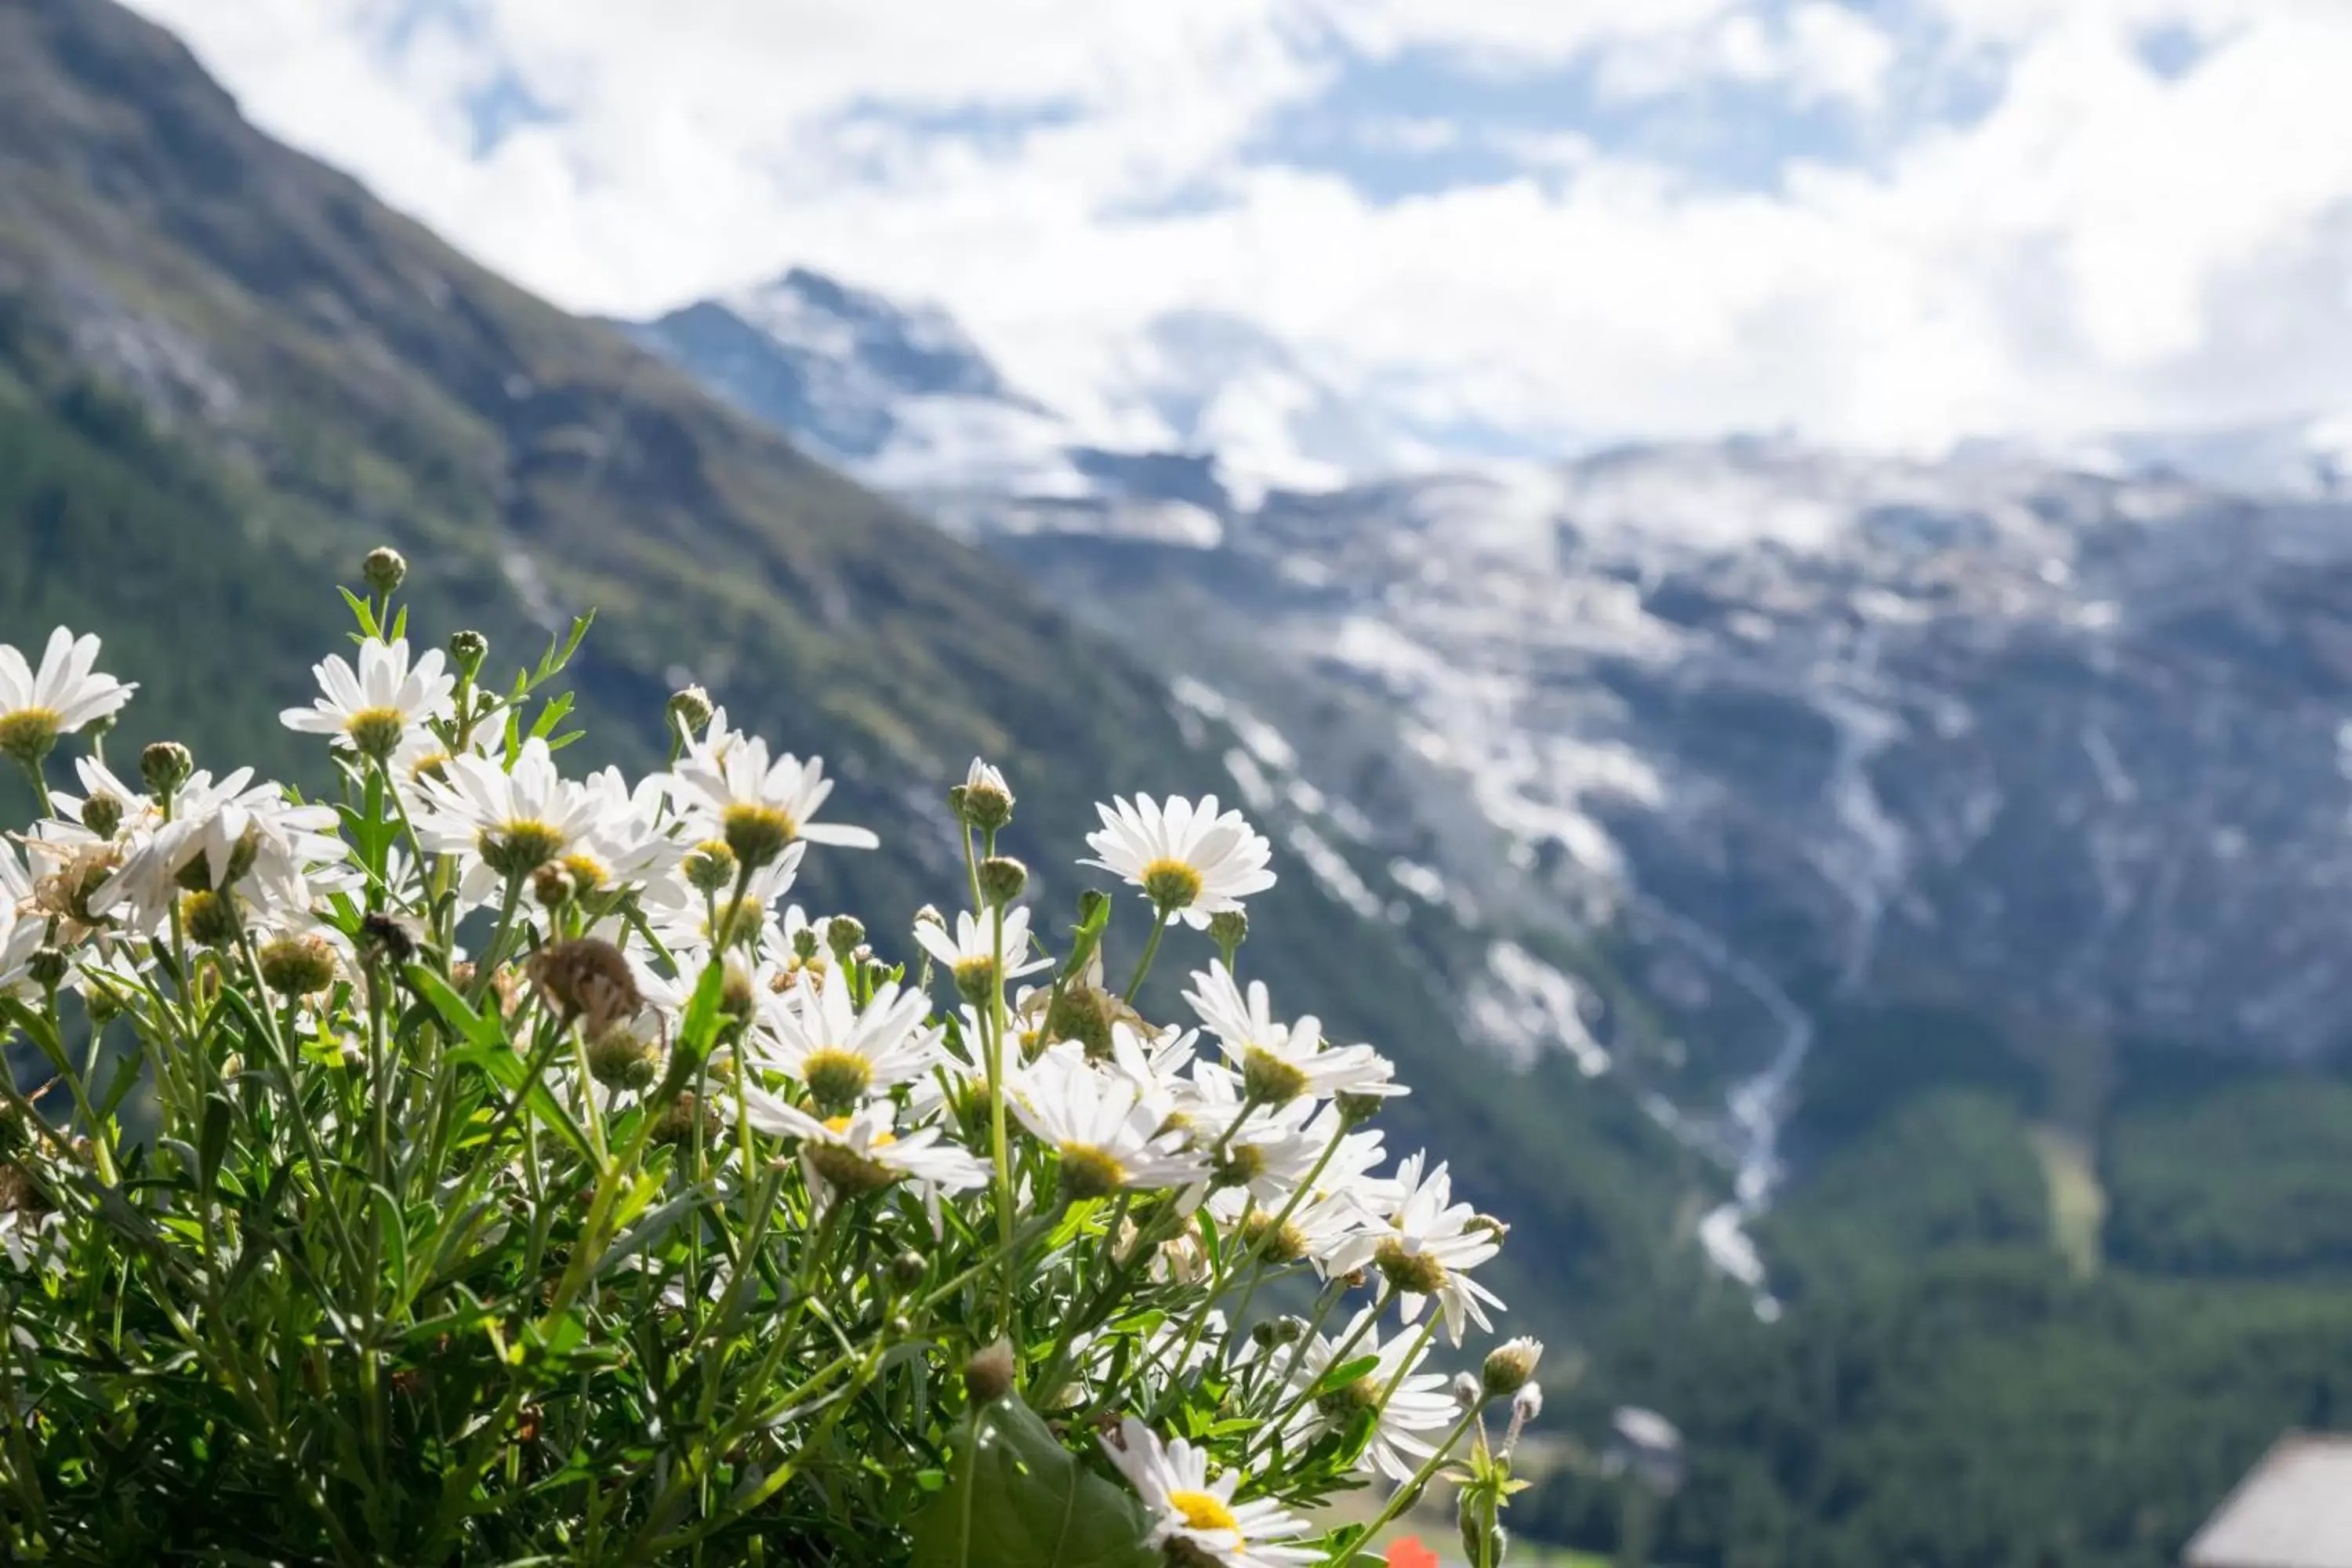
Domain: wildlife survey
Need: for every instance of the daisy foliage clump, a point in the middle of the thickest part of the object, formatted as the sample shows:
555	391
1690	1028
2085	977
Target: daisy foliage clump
473	1160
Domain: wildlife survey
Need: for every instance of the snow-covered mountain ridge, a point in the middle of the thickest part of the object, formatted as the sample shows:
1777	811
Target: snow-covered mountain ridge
1664	753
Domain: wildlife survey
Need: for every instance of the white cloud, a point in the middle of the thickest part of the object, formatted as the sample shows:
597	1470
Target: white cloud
2104	247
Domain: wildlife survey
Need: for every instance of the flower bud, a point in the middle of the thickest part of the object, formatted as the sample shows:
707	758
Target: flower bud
1001	879
1270	1333
384	569
1490	1225
298	965
843	933
928	915
738	998
102	814
804	944
469	648
102	1006
710	868
908	1270
1509	1365
211	919
1481	1543
678	1120
1527	1403
553	886
1083	1014
165	765
620	1057
1466	1391
690	708
988	1376
1355	1109
47	966
1229	929
983	800
1090	904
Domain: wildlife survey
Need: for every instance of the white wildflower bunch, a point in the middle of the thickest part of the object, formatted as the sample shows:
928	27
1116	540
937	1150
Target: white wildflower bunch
458	1156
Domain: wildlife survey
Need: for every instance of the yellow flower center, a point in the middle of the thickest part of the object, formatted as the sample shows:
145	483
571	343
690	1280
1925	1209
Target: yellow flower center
1088	1172
757	834
1170	884
1200	1510
376	731
840	1125
835	1077
518	848
27	734
588	873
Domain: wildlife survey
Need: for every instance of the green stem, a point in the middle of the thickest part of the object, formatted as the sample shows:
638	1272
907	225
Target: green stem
1151	951
1403	1496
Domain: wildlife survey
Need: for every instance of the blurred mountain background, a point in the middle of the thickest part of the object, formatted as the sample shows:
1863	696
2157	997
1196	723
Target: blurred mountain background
1870	923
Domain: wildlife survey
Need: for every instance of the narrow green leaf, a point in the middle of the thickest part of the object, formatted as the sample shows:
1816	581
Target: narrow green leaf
457	1013
1346	1374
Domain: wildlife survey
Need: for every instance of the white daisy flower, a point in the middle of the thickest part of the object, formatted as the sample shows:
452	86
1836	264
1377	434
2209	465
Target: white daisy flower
1200	1514
1419	1402
22	930
386	704
1109	1137
1427	1247
1282	1061
1264	1152
504	824
971	954
842	1053
984	800
862	1151
682	916
65	695
730	790
232	836
1187	860
626	844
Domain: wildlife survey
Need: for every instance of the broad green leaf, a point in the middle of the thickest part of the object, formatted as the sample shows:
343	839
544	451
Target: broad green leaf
1016	1498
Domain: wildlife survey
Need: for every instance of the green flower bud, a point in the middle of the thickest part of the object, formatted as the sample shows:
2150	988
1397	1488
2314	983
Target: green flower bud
553	886
1355	1109
1229	929
211	919
384	569
47	966
298	965
678	1120
102	814
1508	1366
1001	879
908	1270
469	648
691	707
620	1057
165	766
710	868
843	933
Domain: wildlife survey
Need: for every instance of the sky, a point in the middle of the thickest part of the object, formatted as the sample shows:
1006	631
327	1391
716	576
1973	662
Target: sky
1507	225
